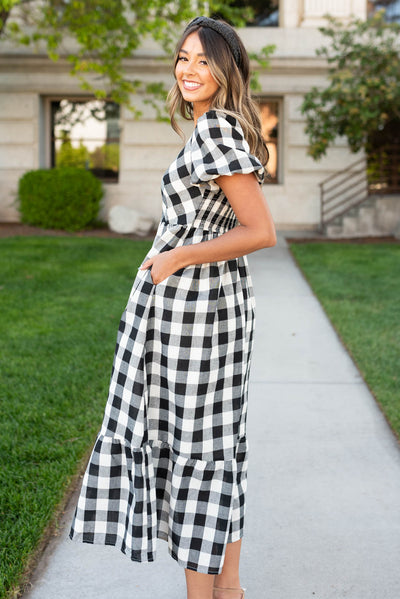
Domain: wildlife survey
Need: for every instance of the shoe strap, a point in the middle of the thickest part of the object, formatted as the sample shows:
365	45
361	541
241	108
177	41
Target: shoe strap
239	590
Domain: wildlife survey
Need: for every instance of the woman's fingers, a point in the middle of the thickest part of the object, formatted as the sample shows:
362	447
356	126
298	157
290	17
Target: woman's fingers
146	264
163	265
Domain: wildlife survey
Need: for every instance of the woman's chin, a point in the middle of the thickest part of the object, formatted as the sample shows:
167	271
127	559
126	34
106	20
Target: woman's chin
188	96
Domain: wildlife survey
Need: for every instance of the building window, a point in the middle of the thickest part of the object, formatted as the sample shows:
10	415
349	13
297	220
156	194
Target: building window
85	133
383	155
269	112
392	9
266	12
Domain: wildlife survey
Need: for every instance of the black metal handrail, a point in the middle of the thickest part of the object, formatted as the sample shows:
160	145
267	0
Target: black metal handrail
379	173
340	191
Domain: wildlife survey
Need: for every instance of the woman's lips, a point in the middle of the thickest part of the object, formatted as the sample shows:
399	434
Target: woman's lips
191	85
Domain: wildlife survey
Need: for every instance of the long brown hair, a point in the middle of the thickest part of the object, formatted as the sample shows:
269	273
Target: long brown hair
233	94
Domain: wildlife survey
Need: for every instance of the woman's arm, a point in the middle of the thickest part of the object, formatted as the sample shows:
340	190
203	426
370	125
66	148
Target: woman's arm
256	231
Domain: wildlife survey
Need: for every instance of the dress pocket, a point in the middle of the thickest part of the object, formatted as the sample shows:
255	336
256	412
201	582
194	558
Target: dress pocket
142	283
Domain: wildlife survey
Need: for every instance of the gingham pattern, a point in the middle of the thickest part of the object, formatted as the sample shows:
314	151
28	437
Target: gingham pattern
170	460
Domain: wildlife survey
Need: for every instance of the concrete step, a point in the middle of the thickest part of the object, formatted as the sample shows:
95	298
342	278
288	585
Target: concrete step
377	215
353	211
333	230
370	201
366	219
350	226
337	221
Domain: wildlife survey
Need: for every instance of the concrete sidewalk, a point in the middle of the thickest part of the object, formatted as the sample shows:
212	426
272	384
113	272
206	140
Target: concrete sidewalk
323	502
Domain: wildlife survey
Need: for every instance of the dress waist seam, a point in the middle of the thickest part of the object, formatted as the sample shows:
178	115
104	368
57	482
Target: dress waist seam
196	227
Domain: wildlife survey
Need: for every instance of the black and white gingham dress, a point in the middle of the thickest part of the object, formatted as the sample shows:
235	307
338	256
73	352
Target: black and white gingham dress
170	460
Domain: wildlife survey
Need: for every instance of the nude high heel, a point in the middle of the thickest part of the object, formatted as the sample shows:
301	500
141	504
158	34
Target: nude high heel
228	593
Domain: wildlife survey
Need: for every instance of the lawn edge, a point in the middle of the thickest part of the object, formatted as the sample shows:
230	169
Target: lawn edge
50	535
342	341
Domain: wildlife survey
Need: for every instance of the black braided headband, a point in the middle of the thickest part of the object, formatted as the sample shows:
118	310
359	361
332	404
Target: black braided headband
223	30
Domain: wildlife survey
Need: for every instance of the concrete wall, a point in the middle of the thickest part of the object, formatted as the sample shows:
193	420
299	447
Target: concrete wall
147	148
18	146
27	83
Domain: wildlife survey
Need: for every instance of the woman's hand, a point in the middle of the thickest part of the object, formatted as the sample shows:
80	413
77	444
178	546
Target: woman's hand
162	265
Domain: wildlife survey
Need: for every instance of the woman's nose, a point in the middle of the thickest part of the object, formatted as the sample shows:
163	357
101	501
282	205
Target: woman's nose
189	67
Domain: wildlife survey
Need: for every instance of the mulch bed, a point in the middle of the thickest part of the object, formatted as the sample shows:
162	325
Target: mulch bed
15	229
355	240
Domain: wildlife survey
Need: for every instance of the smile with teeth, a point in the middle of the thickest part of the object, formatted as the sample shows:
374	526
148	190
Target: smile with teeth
191	85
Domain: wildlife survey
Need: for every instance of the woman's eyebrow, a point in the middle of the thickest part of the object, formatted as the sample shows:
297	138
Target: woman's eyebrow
186	52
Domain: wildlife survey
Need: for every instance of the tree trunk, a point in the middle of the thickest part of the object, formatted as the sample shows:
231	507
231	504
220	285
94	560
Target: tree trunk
4	14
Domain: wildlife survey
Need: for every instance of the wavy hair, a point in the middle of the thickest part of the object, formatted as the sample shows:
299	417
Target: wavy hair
233	94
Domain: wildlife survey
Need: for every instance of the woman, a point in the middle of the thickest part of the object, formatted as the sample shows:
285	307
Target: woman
170	460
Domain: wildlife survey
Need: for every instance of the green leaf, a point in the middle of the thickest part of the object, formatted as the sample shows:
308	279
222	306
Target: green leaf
363	82
105	34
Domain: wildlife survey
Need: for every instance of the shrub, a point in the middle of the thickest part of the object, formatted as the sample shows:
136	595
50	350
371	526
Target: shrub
60	198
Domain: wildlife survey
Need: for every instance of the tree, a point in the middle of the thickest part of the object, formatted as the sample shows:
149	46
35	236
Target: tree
97	36
265	12
68	156
363	91
105	157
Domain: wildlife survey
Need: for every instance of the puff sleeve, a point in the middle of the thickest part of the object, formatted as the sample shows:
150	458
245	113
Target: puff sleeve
219	148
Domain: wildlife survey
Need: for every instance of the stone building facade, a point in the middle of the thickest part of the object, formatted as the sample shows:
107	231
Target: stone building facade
31	85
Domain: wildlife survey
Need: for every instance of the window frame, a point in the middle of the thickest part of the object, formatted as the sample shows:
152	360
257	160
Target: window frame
261	98
45	135
373	9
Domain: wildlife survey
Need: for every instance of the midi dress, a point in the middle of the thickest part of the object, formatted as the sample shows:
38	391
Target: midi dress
170	459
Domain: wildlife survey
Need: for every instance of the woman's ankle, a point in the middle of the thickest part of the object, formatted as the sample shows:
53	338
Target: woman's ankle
226	582
228	593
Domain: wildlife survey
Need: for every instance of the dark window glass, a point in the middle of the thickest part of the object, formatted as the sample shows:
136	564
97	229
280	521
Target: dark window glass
383	155
269	112
85	133
266	12
392	9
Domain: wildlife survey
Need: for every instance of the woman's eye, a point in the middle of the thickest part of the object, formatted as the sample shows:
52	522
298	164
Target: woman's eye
203	62
182	58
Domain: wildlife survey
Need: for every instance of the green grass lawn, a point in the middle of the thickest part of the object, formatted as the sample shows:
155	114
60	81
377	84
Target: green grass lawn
61	299
359	287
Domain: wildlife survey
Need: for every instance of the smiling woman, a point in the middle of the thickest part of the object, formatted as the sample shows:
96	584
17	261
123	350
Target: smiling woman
194	78
225	59
170	460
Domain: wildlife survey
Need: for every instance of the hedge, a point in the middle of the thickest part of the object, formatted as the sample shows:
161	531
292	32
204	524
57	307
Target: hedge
60	198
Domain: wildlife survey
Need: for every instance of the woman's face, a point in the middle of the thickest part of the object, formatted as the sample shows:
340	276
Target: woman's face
193	75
